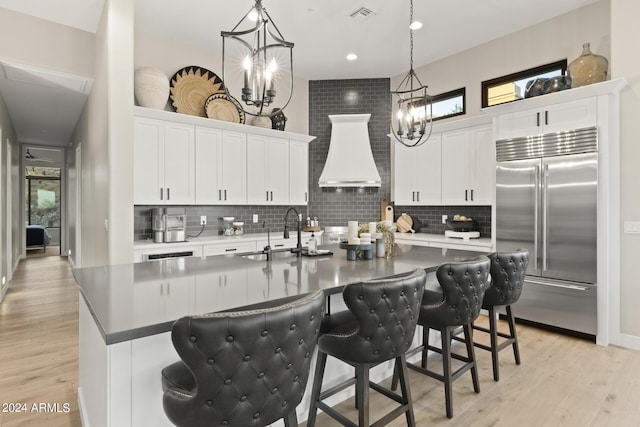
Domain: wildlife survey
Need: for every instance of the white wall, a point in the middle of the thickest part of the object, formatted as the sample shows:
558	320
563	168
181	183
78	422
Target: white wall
550	41
8	260
105	131
169	56
625	63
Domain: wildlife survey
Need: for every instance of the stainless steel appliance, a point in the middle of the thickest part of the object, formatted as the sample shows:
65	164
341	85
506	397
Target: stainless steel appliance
169	224
546	202
334	235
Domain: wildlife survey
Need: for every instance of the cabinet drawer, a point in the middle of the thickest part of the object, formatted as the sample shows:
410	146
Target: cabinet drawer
227	248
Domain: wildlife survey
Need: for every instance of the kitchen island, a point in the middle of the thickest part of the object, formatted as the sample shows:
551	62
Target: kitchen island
126	314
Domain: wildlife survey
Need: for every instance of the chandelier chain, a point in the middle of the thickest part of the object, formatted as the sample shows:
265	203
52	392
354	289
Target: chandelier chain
410	35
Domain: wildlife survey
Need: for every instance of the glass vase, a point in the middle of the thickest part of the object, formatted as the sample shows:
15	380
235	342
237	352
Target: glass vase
588	68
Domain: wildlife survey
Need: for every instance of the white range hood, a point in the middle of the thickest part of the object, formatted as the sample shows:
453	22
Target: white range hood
350	161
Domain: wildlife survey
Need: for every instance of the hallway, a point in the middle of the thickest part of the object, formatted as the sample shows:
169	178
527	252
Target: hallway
39	345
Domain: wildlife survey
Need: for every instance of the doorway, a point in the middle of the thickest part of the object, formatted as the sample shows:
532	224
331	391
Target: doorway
43	200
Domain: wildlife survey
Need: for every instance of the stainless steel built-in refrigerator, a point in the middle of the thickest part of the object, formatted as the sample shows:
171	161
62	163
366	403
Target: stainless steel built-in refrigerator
546	202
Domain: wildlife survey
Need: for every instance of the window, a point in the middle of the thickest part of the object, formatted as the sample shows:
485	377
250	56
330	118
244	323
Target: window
43	196
512	87
447	104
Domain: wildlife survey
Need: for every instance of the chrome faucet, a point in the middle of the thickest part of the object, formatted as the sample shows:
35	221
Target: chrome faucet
298	249
267	249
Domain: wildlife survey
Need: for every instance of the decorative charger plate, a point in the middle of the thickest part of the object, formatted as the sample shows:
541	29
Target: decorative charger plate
190	87
221	106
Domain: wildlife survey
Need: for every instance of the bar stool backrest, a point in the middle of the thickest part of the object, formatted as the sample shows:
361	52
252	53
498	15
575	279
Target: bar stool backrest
250	368
463	286
508	270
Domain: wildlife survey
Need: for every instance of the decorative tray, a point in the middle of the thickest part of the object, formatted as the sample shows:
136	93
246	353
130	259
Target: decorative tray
190	87
358	251
319	253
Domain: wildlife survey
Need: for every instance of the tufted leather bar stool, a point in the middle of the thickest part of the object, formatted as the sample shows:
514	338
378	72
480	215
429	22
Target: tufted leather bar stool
458	305
508	270
378	326
245	369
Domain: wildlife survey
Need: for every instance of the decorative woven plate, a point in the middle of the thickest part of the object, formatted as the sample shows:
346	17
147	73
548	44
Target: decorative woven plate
190	88
220	106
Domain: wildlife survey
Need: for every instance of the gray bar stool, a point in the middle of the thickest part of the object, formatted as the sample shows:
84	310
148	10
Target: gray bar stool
458	305
508	270
378	326
246	368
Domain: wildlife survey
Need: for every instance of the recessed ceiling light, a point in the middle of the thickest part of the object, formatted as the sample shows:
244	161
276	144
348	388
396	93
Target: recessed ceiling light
415	25
352	57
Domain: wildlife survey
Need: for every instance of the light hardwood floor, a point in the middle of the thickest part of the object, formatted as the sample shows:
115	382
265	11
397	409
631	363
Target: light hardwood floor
562	381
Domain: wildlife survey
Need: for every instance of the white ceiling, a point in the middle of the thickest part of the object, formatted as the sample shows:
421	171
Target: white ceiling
322	31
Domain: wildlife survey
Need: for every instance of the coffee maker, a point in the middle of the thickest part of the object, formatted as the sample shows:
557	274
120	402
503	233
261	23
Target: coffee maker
169	225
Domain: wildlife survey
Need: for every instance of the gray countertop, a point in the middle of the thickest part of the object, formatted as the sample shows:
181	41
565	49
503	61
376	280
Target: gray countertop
132	301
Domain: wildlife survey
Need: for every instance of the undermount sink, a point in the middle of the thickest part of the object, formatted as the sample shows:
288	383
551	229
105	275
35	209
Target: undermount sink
260	256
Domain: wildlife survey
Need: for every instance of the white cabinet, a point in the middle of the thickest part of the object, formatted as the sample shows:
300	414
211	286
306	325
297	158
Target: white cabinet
468	166
551	118
418	173
164	163
267	170
298	173
220	172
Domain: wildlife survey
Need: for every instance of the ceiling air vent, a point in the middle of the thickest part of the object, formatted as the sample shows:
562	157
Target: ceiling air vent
361	14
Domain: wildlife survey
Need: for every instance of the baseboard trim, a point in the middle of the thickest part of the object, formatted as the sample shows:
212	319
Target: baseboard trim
628	341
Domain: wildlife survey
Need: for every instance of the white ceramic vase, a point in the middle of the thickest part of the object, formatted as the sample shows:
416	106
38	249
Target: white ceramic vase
151	87
262	121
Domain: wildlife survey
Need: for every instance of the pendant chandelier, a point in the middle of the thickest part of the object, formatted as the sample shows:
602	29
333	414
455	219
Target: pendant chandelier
260	51
412	105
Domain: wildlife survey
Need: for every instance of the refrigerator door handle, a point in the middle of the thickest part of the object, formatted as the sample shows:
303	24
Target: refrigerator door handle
557	285
545	214
536	220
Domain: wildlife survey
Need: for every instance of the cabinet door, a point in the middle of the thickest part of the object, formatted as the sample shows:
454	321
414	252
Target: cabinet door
257	156
278	171
208	166
407	163
520	123
484	170
148	161
179	163
298	173
417	173
570	115
457	167
234	168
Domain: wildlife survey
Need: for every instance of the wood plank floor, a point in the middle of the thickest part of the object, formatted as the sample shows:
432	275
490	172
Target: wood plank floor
563	381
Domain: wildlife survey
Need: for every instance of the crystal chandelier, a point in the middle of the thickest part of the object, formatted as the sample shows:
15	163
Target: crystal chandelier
263	51
413	105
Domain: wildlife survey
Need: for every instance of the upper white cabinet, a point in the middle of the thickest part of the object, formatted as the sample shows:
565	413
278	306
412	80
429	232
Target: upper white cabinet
220	167
550	118
204	161
468	166
164	162
267	170
298	173
418	173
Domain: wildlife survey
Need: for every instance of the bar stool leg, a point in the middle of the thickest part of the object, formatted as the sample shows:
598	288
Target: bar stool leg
291	419
425	344
362	393
403	374
317	387
445	337
471	354
493	332
512	332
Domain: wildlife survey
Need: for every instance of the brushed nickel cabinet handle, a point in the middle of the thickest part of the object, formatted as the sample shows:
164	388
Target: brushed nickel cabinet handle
161	193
